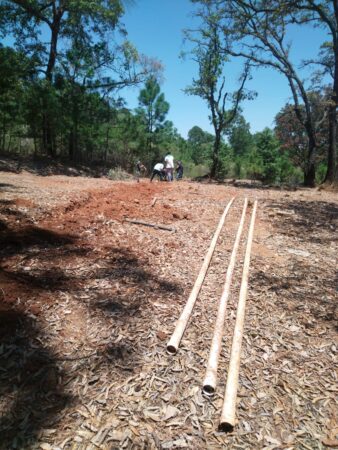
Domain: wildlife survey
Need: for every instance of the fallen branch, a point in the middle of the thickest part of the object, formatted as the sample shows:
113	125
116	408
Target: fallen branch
153	225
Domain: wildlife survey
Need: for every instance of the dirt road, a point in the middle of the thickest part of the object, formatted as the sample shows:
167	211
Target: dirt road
88	303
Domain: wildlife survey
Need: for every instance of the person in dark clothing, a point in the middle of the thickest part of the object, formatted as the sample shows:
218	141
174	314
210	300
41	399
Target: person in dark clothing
139	169
179	170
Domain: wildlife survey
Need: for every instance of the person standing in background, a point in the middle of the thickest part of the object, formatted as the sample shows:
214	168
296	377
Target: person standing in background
179	170
139	169
169	166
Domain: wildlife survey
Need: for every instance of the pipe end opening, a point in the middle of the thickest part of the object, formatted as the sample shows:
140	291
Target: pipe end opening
171	349
226	427
208	390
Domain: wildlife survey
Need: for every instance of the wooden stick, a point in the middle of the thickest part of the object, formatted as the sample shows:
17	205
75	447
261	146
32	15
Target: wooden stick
227	422
210	379
153	225
182	322
153	202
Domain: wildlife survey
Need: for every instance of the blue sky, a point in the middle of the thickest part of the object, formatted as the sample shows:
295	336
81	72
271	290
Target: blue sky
155	28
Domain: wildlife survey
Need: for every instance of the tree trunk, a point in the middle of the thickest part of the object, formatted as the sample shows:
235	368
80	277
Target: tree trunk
310	169
73	137
310	176
3	138
71	146
47	133
215	155
107	137
47	128
9	143
332	168
331	173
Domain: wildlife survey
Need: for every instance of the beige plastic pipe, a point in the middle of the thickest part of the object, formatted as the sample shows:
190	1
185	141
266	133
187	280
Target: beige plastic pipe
181	324
210	379
227	422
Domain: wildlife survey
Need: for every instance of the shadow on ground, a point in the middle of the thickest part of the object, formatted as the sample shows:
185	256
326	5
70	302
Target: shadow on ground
304	290
31	382
247	184
6	187
304	286
33	378
308	220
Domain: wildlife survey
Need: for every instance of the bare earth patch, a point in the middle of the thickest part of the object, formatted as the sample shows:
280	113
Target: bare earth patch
89	301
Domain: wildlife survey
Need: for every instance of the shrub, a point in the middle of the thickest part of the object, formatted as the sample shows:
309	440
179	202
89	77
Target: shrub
118	174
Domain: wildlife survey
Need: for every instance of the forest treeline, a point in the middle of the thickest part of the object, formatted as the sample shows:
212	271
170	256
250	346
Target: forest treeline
64	65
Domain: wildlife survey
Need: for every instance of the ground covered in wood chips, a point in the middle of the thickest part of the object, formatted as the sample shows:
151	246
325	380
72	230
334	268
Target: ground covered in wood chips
88	302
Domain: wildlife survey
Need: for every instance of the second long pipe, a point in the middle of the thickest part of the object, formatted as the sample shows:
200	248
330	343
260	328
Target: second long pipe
210	379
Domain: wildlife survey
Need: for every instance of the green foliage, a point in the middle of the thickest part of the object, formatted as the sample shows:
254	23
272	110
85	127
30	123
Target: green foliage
153	106
200	144
192	170
72	72
151	115
15	73
262	159
268	151
227	165
240	138
321	172
89	128
58	100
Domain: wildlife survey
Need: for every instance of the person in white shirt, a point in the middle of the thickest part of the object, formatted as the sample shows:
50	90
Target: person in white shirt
157	170
169	166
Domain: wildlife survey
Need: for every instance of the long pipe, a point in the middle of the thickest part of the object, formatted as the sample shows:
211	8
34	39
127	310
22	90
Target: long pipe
210	379
176	337
227	422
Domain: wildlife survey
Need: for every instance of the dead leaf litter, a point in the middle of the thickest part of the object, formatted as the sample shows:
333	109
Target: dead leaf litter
89	301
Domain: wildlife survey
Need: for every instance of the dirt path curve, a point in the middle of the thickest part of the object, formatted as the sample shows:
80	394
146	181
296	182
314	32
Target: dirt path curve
88	302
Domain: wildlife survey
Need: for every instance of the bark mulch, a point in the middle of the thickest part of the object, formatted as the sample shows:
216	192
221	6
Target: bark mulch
88	302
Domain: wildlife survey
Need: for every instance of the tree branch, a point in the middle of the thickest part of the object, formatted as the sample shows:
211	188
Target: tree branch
35	12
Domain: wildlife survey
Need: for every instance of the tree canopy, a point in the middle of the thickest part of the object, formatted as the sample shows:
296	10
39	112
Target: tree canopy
62	80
